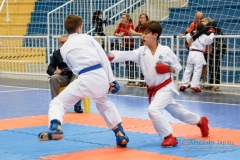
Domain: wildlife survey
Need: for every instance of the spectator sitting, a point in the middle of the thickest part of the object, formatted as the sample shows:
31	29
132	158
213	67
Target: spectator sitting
60	74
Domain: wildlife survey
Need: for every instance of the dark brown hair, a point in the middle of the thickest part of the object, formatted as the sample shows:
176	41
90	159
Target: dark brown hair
95	15
199	27
152	26
72	22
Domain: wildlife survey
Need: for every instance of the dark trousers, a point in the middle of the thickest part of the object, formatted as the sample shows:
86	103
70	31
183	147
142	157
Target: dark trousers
214	65
130	69
130	66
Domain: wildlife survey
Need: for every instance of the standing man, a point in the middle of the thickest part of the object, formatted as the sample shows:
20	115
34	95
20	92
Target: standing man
60	74
198	17
192	28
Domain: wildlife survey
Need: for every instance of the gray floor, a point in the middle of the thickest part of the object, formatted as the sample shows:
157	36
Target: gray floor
220	97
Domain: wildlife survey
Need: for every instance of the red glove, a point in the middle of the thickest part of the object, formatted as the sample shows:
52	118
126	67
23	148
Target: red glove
162	68
110	58
211	30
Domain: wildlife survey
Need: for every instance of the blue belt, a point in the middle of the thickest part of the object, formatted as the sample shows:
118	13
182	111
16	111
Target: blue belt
90	68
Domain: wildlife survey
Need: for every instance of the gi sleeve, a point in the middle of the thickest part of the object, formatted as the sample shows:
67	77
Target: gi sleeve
188	37
198	34
104	61
207	40
122	56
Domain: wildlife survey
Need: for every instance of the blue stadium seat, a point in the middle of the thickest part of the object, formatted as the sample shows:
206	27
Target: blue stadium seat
215	13
174	27
42	7
210	3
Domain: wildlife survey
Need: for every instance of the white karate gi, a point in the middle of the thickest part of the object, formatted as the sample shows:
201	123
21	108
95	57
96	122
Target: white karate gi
81	51
163	99
196	60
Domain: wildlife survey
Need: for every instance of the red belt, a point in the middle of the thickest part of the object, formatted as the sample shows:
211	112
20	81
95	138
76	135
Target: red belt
196	50
153	90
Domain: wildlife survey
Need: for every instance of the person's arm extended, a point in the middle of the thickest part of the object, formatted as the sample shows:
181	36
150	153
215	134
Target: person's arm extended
53	65
122	56
204	30
134	33
190	28
207	40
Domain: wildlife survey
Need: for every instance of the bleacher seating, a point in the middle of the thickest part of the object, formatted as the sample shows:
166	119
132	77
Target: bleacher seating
15	56
174	27
18	59
227	15
38	25
215	12
19	16
205	3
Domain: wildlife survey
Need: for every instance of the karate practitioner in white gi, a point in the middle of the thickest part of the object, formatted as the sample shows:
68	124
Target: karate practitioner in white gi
196	60
158	63
86	58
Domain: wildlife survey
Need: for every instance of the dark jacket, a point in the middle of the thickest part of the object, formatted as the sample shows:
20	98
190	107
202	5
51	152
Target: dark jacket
57	62
219	44
209	25
219	41
99	26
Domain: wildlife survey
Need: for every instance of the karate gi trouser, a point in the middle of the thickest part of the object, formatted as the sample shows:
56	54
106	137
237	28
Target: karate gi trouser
75	91
196	69
164	100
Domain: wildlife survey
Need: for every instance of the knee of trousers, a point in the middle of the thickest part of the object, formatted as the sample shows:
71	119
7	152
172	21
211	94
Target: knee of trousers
153	112
54	78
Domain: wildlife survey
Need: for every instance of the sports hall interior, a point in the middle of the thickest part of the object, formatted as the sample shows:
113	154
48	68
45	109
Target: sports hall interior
29	32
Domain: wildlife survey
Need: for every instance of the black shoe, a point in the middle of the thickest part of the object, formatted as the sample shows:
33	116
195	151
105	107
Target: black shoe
78	109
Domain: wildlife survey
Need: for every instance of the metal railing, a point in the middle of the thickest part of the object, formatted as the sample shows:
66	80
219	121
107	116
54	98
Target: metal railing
7	12
23	55
229	61
28	55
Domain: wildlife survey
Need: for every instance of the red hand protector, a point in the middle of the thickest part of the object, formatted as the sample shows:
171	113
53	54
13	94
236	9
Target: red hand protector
162	68
110	58
211	30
